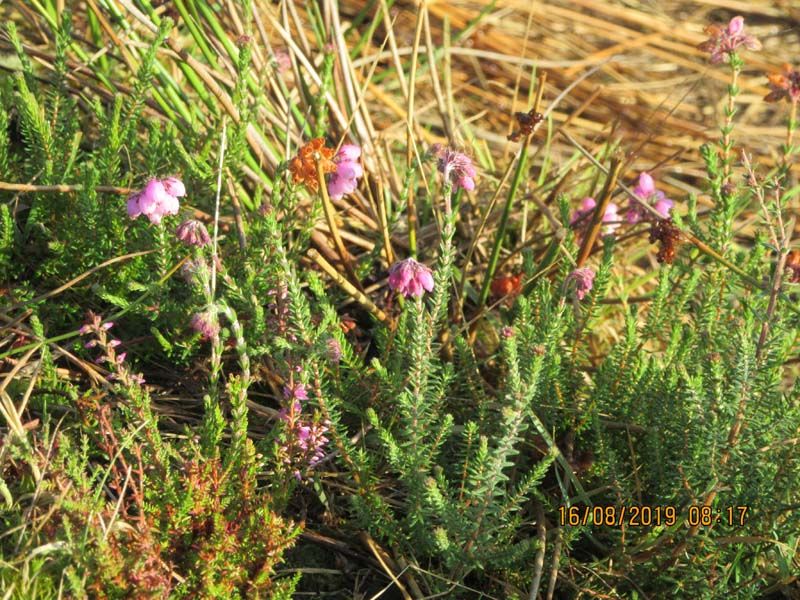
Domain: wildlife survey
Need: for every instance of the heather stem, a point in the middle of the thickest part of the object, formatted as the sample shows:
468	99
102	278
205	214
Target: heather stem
446	256
730	111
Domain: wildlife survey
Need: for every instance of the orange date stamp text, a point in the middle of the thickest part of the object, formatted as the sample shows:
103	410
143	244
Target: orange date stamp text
651	516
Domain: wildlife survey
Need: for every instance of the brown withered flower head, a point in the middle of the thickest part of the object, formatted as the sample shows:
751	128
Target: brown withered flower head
527	121
784	85
303	167
665	232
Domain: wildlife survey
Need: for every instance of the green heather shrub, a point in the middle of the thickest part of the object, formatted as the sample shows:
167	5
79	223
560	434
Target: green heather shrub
181	402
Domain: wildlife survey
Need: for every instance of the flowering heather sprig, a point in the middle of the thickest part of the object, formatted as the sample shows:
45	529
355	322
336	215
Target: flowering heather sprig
303	167
587	206
108	345
304	441
278	313
646	190
410	278
784	85
311	440
206	324
193	233
724	41
158	198
584	280
456	167
295	391
334	350
348	171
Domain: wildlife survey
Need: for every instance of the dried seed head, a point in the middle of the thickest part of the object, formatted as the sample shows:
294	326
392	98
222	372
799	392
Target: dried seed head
664	232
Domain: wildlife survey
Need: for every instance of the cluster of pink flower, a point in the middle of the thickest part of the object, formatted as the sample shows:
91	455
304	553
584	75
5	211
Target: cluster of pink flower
646	190
410	278
305	440
583	280
193	233
725	41
108	345
158	198
722	42
206	324
456	167
579	218
348	171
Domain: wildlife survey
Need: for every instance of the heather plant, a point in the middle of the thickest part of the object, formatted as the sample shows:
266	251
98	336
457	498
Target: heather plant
253	348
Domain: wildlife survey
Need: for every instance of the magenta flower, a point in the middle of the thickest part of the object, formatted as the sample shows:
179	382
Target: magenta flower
305	444
584	280
348	171
205	323
724	41
304	441
456	167
579	217
193	233
313	442
410	278
157	199
296	391
646	190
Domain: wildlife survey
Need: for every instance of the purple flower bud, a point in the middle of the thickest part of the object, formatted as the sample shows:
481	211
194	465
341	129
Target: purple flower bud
193	233
584	280
334	350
